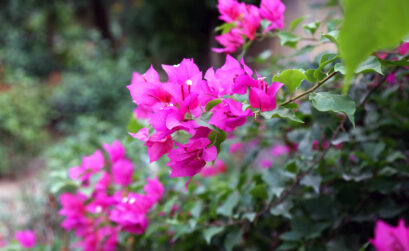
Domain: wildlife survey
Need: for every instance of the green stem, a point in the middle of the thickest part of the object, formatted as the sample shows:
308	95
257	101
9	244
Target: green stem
312	89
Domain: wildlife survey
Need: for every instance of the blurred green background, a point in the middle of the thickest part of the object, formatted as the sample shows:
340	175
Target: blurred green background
65	65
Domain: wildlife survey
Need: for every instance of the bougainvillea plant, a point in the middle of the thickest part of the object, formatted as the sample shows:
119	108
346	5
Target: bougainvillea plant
278	153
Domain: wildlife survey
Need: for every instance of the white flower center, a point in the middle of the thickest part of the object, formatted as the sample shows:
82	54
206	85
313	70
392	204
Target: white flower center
132	200
189	82
176	65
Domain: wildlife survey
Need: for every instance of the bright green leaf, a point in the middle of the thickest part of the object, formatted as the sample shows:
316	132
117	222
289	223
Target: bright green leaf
212	104
288	39
369	26
325	101
296	22
290	78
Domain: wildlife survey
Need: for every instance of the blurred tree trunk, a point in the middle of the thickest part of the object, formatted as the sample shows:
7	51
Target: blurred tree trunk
101	19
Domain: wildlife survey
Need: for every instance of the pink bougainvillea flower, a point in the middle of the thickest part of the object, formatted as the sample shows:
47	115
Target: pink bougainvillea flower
403	48
73	209
251	20
219	167
266	163
26	238
391	79
228	115
273	11
115	151
130	213
189	159
221	81
388	238
158	144
279	149
90	165
122	171
103	183
154	189
263	96
235	147
229	10
2	242
231	41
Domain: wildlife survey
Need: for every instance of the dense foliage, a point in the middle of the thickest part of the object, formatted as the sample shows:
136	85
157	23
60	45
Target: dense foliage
313	156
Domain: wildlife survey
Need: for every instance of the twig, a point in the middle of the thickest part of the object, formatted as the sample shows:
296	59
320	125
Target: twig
302	175
312	89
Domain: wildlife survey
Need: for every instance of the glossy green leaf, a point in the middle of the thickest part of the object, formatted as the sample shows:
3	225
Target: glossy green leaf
369	26
281	112
325	101
290	78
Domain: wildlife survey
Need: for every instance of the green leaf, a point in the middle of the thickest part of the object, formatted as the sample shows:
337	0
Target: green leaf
249	216
197	209
281	112
311	27
133	125
325	101
330	36
290	78
365	246
369	26
310	74
225	28
232	239
333	24
210	232
288	39
372	64
217	137
313	181
292	106
259	191
296	22
274	179
282	209
212	104
227	208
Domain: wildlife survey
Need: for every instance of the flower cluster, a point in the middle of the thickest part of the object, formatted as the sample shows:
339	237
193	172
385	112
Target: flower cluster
112	206
244	20
388	238
177	104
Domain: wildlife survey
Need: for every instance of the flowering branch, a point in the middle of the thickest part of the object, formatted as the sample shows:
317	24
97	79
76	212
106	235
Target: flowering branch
312	89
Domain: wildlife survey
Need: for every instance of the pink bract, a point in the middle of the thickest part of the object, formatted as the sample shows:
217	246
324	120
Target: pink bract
273	11
388	238
26	238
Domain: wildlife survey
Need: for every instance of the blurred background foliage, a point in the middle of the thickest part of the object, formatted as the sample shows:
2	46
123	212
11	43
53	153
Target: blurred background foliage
61	60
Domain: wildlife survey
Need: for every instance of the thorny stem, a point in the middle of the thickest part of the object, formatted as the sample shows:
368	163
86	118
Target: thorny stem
312	89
